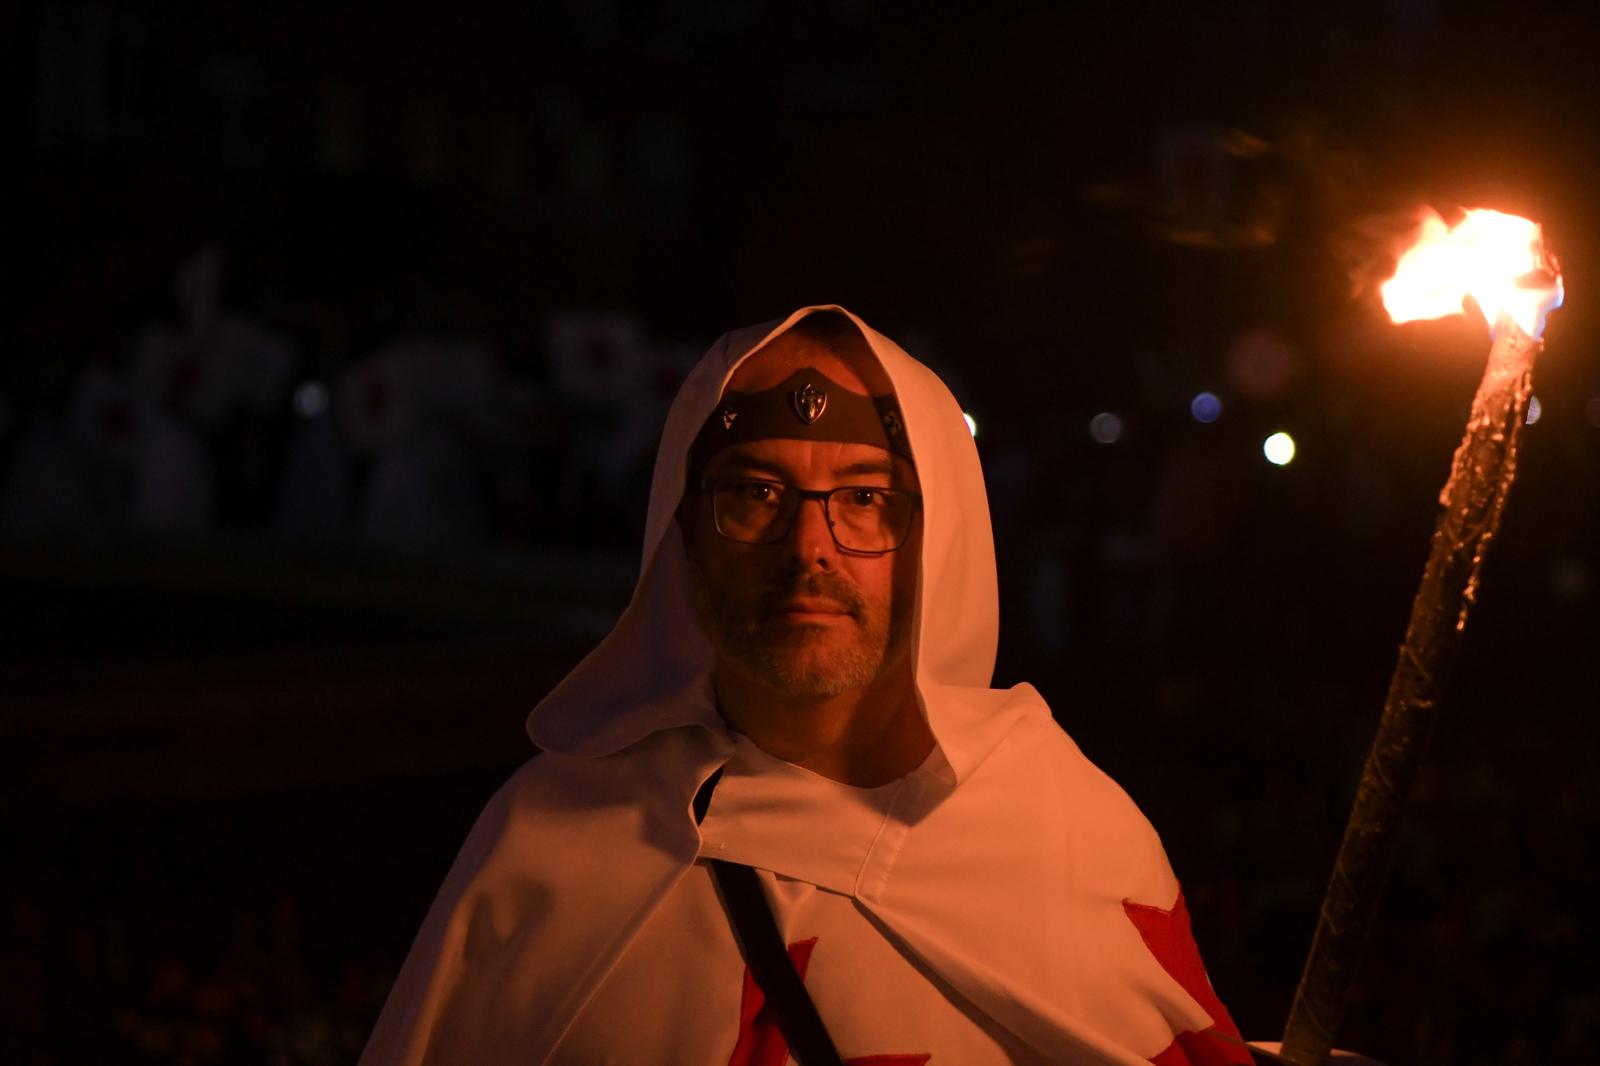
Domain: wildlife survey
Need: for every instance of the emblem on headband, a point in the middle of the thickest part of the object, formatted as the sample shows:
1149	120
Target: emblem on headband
809	403
793	409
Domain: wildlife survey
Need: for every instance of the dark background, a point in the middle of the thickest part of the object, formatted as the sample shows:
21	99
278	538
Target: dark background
285	568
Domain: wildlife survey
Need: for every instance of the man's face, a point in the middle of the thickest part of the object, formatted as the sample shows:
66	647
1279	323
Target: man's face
801	615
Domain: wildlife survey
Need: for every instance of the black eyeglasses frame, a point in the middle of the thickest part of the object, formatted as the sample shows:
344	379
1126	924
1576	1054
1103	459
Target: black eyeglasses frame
707	485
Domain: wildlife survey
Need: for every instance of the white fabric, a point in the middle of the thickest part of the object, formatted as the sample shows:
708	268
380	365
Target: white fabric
1001	867
174	477
680	984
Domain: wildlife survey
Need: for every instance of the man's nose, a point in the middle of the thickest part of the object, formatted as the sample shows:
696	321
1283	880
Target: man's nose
809	539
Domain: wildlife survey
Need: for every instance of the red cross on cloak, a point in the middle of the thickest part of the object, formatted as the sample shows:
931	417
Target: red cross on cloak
761	1042
1168	936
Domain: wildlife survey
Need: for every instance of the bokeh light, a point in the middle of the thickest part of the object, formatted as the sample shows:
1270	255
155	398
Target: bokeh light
972	423
1205	407
1105	428
1279	449
1535	411
311	399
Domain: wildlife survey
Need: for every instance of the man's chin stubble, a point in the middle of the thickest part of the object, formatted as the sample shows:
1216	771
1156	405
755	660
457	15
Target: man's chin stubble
812	673
791	663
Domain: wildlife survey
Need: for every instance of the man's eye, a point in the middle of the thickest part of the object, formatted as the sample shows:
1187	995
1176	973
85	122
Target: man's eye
864	497
757	491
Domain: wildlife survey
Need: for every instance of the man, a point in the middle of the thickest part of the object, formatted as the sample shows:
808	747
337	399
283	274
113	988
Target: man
800	687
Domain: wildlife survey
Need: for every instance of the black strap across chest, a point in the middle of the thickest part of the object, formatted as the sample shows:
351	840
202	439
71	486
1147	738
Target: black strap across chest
764	952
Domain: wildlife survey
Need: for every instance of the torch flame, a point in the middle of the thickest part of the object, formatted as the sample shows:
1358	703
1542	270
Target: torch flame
1497	259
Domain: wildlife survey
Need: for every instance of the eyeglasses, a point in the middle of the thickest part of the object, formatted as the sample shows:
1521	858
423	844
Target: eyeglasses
864	519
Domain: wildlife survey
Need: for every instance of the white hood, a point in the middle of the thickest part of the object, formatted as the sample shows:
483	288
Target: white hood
652	672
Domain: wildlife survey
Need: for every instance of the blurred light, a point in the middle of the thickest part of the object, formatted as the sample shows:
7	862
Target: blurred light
972	423
1279	449
1570	579
1205	407
311	399
1535	411
1591	411
1105	428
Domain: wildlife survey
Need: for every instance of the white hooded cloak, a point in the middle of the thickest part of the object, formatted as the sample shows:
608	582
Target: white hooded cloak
1008	868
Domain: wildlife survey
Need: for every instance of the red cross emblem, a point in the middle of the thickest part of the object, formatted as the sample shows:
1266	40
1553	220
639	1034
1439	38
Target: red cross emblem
1167	934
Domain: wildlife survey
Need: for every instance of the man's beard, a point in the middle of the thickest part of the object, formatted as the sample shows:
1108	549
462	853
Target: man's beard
793	659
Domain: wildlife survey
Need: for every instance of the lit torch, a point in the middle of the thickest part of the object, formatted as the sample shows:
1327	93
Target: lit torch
1500	261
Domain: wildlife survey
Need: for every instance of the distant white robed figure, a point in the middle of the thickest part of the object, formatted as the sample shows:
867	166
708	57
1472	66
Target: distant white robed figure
801	685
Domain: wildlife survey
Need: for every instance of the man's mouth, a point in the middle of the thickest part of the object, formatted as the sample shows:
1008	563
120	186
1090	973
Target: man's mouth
807	607
818	599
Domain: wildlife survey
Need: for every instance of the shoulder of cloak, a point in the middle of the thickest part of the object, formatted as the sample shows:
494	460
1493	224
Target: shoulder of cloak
563	867
1034	798
1013	886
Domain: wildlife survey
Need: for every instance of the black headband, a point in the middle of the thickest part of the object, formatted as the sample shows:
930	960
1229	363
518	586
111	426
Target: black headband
807	406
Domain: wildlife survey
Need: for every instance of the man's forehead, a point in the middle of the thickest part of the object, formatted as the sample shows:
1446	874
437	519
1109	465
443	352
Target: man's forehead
797	460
